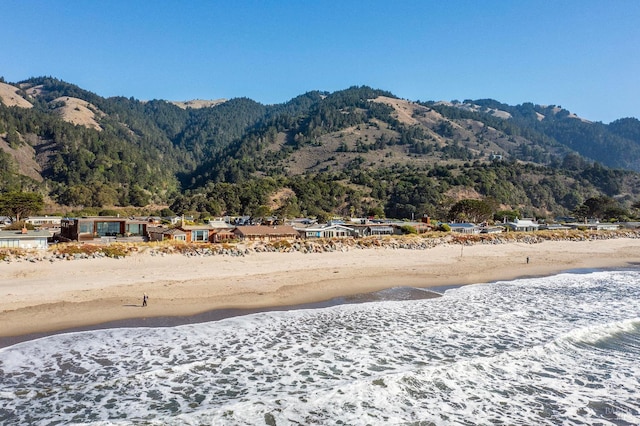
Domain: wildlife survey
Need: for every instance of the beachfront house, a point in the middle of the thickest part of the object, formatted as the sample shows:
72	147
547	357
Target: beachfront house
163	233
326	231
372	229
491	230
265	233
595	225
465	228
102	229
198	233
24	239
522	225
554	227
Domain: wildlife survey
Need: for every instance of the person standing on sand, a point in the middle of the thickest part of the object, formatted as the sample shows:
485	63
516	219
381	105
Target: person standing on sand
144	300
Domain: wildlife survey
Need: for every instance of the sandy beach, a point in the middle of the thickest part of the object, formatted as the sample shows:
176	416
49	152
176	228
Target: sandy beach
45	297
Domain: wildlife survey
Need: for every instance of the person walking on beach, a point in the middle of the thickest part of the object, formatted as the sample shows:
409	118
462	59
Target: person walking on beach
144	300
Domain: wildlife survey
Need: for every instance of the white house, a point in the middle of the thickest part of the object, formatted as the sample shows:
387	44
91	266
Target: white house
326	231
523	225
465	228
24	239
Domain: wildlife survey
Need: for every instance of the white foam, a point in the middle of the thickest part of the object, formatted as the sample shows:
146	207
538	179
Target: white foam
524	351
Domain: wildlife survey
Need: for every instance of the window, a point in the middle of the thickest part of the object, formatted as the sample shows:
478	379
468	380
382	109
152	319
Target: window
134	228
10	243
108	229
200	235
85	228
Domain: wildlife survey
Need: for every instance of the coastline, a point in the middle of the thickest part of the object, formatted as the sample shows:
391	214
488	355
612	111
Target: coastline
45	298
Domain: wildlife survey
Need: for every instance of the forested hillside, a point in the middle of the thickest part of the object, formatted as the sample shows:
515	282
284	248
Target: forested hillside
358	151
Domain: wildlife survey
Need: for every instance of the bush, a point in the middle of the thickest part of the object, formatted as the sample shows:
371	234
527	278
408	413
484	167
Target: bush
282	244
70	249
7	253
408	229
115	251
444	227
16	226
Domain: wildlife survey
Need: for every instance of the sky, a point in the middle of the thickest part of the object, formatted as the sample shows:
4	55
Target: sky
583	55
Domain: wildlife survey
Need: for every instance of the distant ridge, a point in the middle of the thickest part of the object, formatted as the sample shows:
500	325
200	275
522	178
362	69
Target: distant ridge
358	151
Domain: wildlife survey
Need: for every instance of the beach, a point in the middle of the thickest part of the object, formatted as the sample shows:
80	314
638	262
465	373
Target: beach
47	297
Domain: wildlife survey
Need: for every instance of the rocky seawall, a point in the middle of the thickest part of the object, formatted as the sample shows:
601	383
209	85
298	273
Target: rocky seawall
75	251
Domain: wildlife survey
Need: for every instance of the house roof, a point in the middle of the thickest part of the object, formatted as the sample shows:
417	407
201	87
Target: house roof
259	230
523	223
10	235
316	228
383	228
174	231
196	227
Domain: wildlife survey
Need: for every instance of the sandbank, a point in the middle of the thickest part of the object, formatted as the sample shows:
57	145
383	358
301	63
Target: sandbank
47	297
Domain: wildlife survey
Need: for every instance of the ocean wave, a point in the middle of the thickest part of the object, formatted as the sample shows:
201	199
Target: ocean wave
546	350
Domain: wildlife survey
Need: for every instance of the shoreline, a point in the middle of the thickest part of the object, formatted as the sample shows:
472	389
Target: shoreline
392	294
44	298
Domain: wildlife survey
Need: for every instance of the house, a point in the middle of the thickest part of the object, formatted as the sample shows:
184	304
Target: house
378	230
554	227
242	221
597	226
372	229
24	239
465	228
326	231
629	225
301	221
421	227
89	228
163	233
38	221
594	225
175	220
198	233
522	225
265	233
4	221
491	230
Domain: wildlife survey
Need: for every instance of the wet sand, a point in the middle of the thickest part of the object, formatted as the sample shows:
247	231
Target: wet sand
43	298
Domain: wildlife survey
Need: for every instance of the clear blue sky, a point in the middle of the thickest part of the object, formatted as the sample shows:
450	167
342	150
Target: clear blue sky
581	54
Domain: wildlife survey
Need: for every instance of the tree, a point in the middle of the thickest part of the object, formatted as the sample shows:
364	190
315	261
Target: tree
471	210
600	207
20	204
509	215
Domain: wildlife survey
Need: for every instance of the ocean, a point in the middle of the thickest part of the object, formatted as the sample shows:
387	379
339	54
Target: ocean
563	349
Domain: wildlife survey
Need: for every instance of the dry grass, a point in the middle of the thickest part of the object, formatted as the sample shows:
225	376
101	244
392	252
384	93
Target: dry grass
10	97
77	111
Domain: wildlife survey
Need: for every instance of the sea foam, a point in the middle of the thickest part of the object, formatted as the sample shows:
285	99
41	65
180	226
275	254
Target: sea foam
560	349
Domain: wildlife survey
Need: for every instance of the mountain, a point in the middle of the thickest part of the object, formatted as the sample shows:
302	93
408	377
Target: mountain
358	151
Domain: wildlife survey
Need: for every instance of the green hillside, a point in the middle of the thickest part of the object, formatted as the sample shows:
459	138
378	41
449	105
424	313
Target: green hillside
358	151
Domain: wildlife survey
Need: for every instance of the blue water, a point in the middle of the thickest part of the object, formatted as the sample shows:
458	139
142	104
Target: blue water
556	350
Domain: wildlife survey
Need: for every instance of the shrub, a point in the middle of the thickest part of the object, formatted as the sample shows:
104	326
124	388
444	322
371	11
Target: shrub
282	244
70	249
115	250
6	253
408	229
